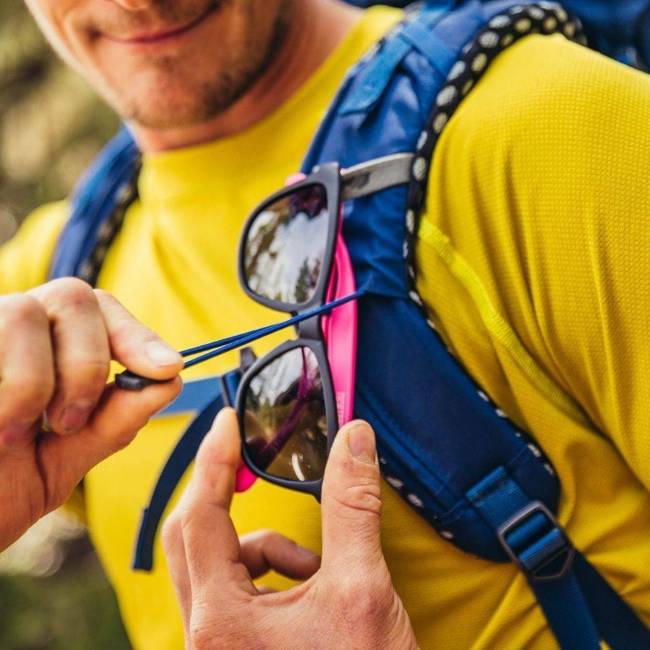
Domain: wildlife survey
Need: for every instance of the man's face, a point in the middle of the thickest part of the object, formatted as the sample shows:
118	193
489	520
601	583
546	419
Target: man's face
166	63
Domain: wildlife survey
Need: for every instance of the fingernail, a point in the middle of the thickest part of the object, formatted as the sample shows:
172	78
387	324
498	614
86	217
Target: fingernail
161	354
306	553
14	433
75	416
361	441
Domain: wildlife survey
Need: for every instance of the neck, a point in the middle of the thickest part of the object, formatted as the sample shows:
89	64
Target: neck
315	30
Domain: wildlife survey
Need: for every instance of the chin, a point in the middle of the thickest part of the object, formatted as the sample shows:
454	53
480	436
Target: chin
166	115
163	105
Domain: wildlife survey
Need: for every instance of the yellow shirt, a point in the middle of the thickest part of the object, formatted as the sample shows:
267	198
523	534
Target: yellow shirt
533	257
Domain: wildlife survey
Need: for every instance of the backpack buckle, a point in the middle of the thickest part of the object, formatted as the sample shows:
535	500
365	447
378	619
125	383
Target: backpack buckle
535	541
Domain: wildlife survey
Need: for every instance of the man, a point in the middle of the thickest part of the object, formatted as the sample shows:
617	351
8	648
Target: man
532	256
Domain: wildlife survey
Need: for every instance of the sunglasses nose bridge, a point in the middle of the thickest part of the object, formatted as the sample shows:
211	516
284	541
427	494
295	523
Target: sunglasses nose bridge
311	328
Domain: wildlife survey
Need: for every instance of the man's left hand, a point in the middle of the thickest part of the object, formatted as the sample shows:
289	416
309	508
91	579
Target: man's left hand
348	601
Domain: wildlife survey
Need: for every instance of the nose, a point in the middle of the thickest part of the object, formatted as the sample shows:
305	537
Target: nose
134	5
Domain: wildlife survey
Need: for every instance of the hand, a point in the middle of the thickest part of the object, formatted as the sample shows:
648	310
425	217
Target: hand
56	344
349	602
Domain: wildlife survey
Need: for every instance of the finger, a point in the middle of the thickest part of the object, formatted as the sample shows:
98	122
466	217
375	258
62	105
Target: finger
26	367
135	346
81	352
266	550
211	542
117	419
172	540
351	504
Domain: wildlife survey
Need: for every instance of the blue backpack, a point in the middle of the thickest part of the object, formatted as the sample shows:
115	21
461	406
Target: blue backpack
620	29
498	502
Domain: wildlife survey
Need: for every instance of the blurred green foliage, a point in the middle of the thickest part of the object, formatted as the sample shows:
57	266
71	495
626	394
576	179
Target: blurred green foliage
51	126
51	123
72	610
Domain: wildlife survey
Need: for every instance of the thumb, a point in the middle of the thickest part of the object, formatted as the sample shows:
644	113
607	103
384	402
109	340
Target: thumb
351	502
118	417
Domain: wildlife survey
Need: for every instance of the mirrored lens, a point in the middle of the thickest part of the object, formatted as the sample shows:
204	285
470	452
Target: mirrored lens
285	247
285	426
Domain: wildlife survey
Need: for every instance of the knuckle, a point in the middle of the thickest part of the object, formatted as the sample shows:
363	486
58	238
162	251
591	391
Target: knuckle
121	437
266	536
364	496
19	308
88	377
187	515
27	392
171	534
71	294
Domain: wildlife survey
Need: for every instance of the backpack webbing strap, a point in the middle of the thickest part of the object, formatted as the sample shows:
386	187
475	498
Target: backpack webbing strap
98	208
179	460
580	606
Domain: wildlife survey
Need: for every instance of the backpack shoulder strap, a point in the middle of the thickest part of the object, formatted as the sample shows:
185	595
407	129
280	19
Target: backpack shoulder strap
499	500
98	207
618	28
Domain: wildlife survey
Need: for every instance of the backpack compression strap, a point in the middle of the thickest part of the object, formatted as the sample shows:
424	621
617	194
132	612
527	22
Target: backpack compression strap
222	391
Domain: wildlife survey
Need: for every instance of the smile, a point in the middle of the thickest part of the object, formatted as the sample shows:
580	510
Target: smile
161	36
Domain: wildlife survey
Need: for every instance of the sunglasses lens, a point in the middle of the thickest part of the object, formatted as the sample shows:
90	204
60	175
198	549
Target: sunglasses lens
285	425
285	246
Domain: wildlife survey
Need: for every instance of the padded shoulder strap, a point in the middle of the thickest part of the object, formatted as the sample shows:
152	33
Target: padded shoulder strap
98	207
617	28
452	455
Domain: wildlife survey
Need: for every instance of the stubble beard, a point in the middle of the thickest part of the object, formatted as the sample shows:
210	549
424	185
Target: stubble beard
201	101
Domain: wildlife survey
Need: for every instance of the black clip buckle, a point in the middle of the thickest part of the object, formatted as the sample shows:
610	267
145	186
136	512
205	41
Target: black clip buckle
539	564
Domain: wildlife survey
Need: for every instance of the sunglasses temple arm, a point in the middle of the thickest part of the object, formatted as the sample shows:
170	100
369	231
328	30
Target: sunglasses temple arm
128	380
244	339
264	331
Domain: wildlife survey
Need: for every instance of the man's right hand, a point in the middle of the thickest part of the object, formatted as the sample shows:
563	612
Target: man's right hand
56	345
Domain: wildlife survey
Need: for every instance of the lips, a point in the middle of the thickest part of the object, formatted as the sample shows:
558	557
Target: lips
158	35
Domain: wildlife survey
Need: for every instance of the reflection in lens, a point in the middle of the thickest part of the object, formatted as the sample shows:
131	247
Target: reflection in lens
285	246
285	422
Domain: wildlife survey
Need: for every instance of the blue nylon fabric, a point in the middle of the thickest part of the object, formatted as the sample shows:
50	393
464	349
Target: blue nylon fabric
180	459
613	26
438	432
376	77
616	620
196	395
93	203
580	606
390	126
436	455
618	28
568	614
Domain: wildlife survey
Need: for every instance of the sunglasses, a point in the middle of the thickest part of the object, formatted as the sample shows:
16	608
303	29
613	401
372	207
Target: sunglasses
293	258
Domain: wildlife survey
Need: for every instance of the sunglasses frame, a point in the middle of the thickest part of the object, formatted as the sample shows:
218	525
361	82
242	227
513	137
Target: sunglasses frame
328	176
317	347
309	332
